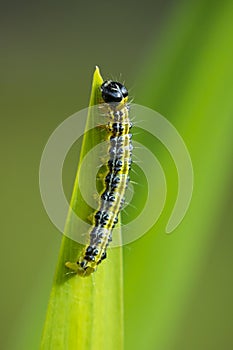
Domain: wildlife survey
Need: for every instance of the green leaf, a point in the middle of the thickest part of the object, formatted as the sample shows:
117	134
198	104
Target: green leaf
85	313
189	79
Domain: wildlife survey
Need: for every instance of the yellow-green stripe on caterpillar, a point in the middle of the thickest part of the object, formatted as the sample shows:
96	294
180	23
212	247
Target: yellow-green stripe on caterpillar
115	107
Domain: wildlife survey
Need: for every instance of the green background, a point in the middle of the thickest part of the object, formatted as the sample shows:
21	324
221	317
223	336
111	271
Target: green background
176	57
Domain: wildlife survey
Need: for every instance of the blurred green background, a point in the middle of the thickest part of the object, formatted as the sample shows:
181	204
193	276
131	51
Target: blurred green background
176	57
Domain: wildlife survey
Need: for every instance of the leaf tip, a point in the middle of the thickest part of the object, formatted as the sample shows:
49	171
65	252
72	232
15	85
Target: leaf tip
97	76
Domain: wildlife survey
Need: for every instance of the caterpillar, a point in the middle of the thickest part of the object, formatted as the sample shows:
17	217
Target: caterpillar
116	108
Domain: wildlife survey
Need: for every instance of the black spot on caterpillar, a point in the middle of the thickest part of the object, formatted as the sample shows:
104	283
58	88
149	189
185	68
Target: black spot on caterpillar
115	107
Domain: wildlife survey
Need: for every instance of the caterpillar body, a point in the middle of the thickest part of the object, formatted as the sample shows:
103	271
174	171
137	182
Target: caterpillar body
115	107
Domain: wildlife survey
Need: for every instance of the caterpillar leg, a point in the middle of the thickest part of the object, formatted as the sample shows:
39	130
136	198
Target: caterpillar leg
76	268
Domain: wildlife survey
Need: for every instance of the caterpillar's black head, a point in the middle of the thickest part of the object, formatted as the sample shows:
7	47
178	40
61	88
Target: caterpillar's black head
113	91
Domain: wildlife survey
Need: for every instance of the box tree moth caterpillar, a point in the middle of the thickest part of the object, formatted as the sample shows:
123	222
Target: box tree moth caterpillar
115	107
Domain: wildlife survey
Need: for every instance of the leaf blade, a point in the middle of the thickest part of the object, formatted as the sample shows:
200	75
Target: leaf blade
83	312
